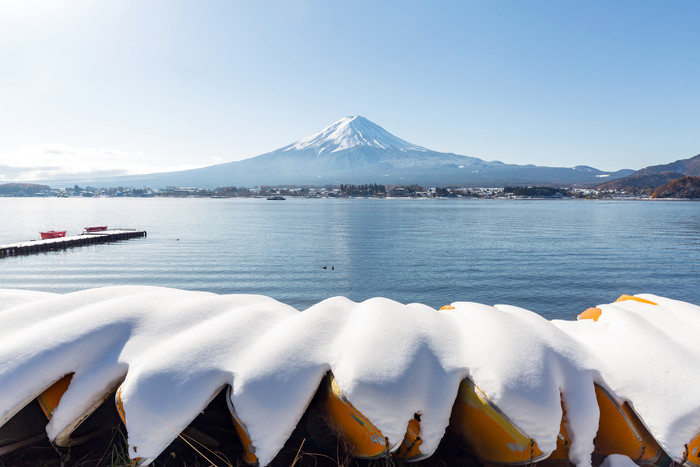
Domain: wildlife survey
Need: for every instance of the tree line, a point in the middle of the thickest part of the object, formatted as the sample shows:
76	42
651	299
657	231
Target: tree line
371	189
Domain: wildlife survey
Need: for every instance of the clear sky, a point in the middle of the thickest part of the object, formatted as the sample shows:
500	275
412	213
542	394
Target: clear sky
152	85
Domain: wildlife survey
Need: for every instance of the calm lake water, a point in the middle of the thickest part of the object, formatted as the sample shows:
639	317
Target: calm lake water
554	257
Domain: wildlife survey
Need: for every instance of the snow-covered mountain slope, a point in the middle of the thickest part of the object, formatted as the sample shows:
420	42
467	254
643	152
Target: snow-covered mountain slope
352	132
356	150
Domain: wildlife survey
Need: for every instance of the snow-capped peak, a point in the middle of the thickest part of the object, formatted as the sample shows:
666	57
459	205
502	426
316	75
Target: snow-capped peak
351	132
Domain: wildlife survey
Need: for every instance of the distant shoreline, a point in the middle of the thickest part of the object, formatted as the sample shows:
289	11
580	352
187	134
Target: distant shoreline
348	191
448	198
365	198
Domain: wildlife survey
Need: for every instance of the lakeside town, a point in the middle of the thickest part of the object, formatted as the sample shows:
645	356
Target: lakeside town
336	191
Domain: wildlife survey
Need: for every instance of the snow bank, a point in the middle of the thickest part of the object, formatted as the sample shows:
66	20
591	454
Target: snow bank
172	351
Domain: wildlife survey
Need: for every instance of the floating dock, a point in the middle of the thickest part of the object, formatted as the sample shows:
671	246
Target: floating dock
92	238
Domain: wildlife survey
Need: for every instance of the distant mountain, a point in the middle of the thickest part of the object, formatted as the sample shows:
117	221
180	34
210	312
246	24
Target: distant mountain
355	150
684	166
684	187
650	178
635	183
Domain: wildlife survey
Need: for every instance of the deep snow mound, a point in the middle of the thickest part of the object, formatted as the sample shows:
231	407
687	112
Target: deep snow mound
167	353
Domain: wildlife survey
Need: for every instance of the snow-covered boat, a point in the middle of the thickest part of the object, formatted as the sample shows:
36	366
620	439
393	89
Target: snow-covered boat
28	425
361	437
249	456
24	429
97	228
493	437
595	312
620	431
499	418
364	439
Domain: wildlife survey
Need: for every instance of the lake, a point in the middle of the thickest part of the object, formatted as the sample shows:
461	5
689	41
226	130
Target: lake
555	257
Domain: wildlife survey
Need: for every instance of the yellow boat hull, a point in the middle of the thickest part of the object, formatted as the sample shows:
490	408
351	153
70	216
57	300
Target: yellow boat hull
620	431
488	433
362	438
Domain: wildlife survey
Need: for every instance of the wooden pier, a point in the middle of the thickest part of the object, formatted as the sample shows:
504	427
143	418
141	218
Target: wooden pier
40	246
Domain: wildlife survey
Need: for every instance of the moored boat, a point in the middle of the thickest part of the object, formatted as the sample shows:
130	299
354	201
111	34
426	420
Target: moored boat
53	234
97	228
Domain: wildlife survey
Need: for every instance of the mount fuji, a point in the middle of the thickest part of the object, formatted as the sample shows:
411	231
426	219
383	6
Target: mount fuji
356	150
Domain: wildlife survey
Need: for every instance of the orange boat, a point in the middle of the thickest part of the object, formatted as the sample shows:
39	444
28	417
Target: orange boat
28	426
49	399
594	313
494	438
249	456
491	435
410	446
53	234
692	452
620	430
364	440
361	437
96	419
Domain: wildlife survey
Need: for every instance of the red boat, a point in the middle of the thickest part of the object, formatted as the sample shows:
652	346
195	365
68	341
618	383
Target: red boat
53	234
99	228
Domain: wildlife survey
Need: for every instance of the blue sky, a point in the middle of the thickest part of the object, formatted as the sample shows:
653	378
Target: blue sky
140	86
